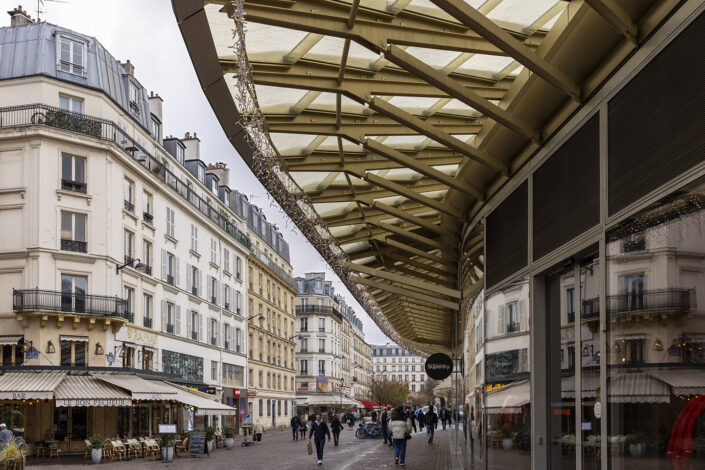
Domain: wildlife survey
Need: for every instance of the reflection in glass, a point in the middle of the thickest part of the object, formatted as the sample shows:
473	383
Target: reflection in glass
656	326
507	384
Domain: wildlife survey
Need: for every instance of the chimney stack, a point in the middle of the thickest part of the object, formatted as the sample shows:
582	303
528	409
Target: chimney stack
19	17
128	67
222	171
155	105
193	146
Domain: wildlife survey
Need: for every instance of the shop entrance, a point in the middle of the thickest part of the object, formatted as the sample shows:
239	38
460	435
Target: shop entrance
71	426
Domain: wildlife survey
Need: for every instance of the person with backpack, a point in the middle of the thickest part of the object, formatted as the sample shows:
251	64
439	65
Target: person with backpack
400	427
431	419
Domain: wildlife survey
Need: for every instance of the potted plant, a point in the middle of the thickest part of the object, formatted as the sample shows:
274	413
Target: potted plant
229	434
210	437
507	441
11	457
96	442
636	444
166	442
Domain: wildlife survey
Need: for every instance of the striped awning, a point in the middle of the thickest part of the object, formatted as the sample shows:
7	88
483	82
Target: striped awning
637	387
9	340
141	389
30	385
682	381
509	399
86	390
331	400
75	339
204	403
589	386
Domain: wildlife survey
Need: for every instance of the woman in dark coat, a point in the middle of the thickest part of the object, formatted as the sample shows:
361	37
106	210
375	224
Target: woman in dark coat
336	427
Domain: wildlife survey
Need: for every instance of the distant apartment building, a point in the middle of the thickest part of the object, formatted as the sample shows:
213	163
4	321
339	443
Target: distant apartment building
392	362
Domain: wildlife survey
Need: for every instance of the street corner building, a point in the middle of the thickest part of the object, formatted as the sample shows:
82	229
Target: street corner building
123	256
518	185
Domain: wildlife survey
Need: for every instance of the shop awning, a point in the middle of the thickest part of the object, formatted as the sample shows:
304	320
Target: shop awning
331	400
203	403
30	385
590	384
683	381
86	390
509	399
141	389
75	339
637	387
9	340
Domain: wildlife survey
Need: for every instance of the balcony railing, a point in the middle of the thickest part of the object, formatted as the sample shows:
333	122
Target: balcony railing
74	245
170	328
147	217
318	309
194	335
75	186
170	279
662	300
36	299
42	115
147	322
591	309
129	207
277	269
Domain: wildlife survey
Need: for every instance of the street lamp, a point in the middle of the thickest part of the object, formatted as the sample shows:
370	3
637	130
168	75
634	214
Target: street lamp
261	317
140	266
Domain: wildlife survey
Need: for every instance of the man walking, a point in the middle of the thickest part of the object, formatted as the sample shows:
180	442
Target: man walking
336	426
431	422
422	419
385	429
295	425
5	436
444	417
319	431
412	418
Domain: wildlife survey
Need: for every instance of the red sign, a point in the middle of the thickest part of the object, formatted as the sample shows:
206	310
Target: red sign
251	394
236	392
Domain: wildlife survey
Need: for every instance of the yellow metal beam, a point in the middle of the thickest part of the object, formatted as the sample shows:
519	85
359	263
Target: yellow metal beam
407	215
485	27
615	15
405	280
408	293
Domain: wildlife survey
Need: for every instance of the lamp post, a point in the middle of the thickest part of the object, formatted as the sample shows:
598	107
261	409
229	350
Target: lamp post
140	266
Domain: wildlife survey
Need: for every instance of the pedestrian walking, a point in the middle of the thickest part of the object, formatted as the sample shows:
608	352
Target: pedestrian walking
385	428
257	431
336	426
373	415
412	417
431	419
319	431
302	427
400	427
295	425
422	419
444	417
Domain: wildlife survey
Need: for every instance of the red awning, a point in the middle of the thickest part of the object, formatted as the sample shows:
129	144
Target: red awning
369	404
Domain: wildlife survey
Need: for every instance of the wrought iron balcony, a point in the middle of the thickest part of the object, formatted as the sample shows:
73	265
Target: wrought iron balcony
28	300
318	309
74	245
147	217
170	328
170	279
130	207
663	300
147	322
194	335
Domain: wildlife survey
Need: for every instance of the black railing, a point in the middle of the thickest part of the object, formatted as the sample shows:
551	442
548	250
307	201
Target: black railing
194	291
170	328
129	206
74	245
571	317
590	309
148	270
317	309
36	299
214	341
513	327
226	345
147	322
194	335
170	279
676	300
75	186
42	115
147	217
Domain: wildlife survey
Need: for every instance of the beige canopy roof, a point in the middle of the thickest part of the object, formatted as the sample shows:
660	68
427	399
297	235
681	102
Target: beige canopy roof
383	126
140	388
30	385
204	403
509	399
87	390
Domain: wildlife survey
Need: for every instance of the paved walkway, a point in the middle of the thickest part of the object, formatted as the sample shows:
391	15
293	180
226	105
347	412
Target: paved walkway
279	451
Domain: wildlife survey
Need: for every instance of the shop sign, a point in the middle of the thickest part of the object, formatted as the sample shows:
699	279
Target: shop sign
302	390
210	390
154	396
94	402
167	429
141	336
26	395
251	394
236	392
439	366
33	354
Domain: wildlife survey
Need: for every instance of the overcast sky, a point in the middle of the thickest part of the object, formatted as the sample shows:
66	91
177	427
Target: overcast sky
145	32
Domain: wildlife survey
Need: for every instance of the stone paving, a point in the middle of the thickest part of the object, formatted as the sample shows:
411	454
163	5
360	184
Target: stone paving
279	451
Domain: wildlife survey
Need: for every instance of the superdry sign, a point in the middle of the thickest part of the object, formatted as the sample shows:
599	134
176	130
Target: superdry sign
439	366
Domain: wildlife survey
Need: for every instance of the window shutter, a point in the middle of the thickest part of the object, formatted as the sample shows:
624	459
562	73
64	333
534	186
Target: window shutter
177	322
221	336
189	325
218	293
239	302
177	275
200	327
200	283
164	315
209	330
209	289
501	320
164	271
189	281
523	315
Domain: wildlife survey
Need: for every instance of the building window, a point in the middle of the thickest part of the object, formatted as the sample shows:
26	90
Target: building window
68	103
73	232
194	238
73	290
304	324
238	267
129	297
269	410
322	367
147	310
321	324
227	294
73	173
71	56
260	405
147	207
212	332
180	153
170	222
303	366
212	290
304	345
214	251
147	255
171	320
170	268
226	260
135	97
194	280
147	359
129	194
128	242
214	370
322	345
73	353
156	129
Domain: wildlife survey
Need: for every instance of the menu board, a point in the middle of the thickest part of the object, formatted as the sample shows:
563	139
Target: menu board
197	443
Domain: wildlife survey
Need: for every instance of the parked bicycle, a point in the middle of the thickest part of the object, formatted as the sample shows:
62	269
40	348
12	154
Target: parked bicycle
371	430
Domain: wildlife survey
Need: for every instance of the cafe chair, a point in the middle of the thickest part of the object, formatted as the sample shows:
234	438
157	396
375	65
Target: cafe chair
54	450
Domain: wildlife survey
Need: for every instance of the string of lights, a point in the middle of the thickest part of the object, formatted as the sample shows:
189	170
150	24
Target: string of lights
268	166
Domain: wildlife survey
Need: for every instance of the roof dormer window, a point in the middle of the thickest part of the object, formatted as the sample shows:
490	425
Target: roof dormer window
135	96
71	55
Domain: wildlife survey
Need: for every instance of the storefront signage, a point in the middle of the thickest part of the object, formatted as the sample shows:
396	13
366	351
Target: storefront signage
302	390
25	395
167	429
154	396
33	354
236	392
439	366
141	336
251	394
94	402
210	390
197	443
